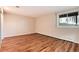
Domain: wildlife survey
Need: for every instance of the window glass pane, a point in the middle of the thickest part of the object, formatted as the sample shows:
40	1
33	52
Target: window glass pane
72	20
67	21
78	20
63	20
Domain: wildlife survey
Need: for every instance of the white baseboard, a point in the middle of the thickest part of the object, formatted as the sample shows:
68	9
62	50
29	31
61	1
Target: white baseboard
16	35
42	34
60	38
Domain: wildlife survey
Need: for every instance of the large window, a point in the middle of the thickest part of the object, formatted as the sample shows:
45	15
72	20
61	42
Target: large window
68	19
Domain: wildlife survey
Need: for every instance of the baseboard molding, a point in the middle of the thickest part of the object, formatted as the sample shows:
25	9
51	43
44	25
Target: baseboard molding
41	34
18	35
59	38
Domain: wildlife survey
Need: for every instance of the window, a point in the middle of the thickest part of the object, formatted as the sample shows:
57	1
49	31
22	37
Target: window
68	19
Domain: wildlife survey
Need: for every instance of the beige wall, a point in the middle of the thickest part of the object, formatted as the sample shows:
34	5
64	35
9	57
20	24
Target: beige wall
47	25
0	26
17	25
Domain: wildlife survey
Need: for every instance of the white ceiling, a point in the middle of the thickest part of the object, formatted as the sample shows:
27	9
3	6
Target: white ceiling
35	11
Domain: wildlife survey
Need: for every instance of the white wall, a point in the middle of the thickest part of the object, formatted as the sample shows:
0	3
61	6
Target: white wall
0	25
47	25
1	19
17	25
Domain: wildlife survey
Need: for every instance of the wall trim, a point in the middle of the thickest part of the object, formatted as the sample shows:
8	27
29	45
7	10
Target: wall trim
60	38
18	35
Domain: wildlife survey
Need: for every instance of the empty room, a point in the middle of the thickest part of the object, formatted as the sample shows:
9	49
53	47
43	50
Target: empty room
39	29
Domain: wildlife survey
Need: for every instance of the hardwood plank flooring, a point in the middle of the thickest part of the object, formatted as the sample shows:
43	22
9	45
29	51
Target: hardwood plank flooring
37	43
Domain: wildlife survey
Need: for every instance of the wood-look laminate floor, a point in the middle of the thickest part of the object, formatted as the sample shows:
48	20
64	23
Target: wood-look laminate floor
37	43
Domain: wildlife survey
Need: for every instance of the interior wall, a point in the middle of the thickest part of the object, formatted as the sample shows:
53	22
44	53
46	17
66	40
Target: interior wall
0	25
1	22
47	25
14	25
17	25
